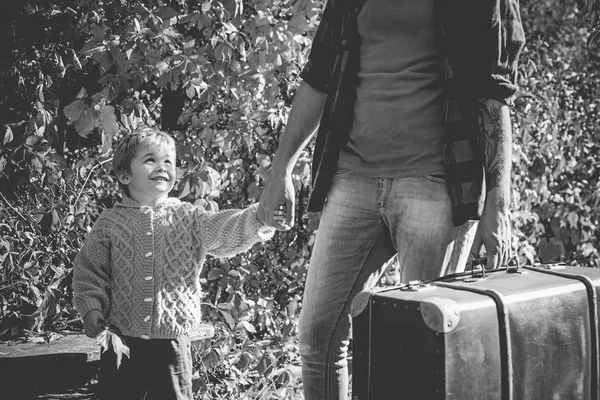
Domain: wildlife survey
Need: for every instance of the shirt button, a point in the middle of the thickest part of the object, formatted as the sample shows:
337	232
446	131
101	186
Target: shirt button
149	278
148	299
148	233
145	337
148	254
344	42
147	318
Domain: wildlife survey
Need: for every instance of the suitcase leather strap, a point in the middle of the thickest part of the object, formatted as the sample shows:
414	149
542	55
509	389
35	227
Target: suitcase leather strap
593	309
506	370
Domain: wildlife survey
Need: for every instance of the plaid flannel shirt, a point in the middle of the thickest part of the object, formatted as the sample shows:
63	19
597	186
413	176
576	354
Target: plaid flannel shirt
480	41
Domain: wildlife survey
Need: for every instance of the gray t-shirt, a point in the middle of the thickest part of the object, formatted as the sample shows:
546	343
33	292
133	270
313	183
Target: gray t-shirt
398	115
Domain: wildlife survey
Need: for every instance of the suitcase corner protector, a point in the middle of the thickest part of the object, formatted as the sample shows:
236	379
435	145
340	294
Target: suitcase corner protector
360	301
440	314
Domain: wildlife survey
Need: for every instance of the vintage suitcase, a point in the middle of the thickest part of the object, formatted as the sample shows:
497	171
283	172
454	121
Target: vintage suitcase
528	333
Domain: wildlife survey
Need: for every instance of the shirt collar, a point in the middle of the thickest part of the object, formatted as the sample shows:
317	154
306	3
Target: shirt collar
128	202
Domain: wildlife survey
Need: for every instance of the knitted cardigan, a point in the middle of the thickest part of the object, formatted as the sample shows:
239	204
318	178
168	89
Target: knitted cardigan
140	266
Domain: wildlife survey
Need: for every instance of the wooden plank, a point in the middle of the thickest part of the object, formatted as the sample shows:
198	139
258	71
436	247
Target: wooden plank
67	362
68	346
31	368
80	344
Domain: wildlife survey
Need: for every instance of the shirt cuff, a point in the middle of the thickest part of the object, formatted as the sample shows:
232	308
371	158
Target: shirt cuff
91	304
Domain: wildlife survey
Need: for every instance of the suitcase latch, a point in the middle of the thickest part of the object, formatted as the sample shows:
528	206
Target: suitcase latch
414	286
477	270
551	265
513	266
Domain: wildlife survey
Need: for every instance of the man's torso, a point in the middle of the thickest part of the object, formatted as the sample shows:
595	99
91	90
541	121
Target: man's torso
398	121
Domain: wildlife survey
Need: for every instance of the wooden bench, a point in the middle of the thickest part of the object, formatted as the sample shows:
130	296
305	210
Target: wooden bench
29	369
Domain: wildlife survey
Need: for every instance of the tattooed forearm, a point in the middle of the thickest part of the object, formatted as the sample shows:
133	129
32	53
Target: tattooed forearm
494	123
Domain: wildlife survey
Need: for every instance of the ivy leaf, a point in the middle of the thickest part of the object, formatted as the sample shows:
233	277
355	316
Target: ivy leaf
165	12
184	188
106	142
76	62
73	111
58	160
573	218
211	205
8	135
253	191
228	318
109	121
214	274
40	92
283	378
109	338
82	93
266	364
248	326
86	122
105	58
190	91
244	361
588	249
213	179
50	223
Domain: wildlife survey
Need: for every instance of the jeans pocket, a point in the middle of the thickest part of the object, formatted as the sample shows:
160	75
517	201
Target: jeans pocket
436	178
342	171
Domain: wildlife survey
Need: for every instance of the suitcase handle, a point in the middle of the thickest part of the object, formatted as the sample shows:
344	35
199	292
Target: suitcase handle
479	273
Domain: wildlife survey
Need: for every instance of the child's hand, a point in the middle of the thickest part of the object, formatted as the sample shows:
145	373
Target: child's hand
93	323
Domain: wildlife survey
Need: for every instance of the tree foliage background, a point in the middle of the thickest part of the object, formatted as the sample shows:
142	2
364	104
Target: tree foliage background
220	76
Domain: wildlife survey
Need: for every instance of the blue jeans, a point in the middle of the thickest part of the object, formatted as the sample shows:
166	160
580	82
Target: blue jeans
364	223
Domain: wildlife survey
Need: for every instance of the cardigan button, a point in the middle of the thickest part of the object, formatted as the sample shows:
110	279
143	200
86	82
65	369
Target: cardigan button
149	254
149	278
148	299
145	337
147	318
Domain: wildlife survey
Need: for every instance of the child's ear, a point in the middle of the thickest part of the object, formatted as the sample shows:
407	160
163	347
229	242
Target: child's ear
123	178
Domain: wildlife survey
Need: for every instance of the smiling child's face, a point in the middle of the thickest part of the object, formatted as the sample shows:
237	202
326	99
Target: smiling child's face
152	174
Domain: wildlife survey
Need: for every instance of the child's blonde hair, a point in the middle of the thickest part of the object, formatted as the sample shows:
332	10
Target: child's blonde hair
128	148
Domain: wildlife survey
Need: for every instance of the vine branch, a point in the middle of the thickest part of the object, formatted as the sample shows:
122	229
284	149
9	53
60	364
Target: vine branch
88	178
14	209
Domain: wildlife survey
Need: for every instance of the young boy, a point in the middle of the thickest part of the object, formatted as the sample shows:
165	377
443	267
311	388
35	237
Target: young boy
139	269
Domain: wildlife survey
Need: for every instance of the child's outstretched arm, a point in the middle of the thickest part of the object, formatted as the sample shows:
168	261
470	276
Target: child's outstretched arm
230	232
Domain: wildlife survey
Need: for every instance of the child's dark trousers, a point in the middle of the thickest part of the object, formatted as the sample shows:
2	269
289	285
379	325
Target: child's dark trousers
158	369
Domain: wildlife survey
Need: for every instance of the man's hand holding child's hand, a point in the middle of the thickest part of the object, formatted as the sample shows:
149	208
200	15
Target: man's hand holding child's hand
93	323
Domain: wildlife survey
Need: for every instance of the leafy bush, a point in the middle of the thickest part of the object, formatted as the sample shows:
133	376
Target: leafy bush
555	181
220	77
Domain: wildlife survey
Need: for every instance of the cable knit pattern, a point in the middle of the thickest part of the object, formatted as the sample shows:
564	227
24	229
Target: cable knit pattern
140	266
